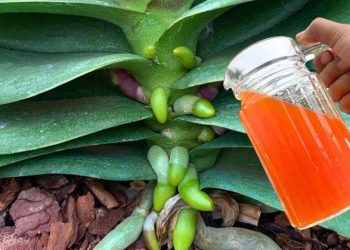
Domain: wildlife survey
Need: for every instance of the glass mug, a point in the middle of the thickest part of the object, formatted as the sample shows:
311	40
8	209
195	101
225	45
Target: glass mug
295	128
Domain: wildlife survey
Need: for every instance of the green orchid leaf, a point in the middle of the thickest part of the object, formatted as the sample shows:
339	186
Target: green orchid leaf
239	170
185	30
230	28
125	133
340	224
213	69
227	111
30	125
26	74
229	140
108	10
97	83
169	10
138	5
110	162
46	33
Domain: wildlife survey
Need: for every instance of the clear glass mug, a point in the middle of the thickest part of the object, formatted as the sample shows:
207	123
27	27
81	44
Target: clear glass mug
295	128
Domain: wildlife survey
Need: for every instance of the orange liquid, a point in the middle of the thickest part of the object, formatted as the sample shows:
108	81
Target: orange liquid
305	154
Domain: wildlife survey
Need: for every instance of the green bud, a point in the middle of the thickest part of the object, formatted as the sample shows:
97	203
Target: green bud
162	192
206	135
185	229
203	108
190	192
186	57
178	164
184	104
159	104
149	52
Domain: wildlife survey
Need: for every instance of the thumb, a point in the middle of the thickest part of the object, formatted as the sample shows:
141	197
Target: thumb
335	35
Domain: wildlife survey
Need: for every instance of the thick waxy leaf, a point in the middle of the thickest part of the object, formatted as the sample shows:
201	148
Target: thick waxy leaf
117	162
97	83
213	69
169	10
230	28
229	140
227	110
126	133
60	34
185	30
26	74
238	170
138	5
30	125
108	10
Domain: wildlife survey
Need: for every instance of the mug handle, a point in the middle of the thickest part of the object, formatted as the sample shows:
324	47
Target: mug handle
310	51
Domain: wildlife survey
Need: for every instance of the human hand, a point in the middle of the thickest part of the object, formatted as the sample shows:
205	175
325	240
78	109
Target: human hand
334	63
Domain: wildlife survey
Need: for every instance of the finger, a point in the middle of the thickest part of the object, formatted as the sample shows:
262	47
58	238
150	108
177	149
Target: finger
344	103
322	60
331	72
335	35
340	87
322	30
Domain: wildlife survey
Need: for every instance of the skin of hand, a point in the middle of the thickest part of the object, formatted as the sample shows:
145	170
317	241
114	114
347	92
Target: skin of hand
334	63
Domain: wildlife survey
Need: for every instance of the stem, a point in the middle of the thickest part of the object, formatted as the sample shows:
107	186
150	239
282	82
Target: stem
130	229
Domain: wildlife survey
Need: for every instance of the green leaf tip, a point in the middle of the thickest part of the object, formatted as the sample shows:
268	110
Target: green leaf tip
178	163
159	104
203	109
186	57
190	192
149	52
185	229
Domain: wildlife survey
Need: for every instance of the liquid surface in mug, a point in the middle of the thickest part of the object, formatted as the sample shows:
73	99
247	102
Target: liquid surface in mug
305	154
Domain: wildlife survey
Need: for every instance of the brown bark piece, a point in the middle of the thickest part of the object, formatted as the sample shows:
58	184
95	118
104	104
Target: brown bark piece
104	196
34	211
43	241
106	220
120	196
138	245
60	235
52	181
282	220
85	213
63	192
72	217
9	240
8	192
